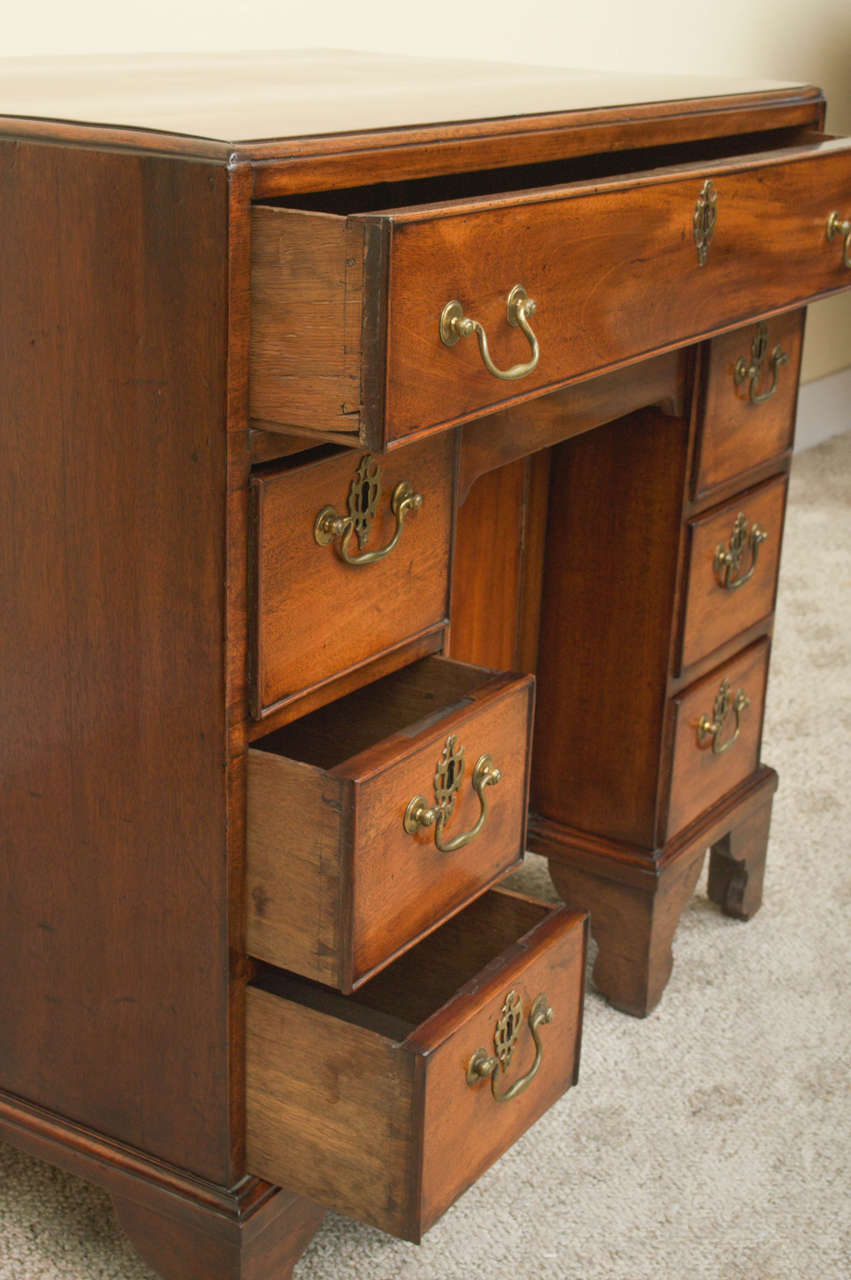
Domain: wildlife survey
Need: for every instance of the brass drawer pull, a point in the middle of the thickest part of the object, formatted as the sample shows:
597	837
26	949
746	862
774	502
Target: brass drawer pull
364	495
505	1037
837	226
753	372
447	780
454	326
705	216
727	560
713	728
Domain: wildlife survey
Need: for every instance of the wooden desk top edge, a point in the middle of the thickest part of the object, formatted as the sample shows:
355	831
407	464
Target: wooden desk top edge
304	105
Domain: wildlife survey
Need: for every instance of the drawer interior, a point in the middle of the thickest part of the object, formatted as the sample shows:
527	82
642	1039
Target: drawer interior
401	703
425	978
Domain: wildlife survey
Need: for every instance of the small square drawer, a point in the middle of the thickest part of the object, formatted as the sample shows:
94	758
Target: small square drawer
742	420
351	560
375	818
733	555
388	1104
717	734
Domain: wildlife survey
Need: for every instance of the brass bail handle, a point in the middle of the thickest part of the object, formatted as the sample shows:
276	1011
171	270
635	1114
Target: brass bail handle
454	326
482	1066
728	560
837	226
447	781
364	495
753	372
714	727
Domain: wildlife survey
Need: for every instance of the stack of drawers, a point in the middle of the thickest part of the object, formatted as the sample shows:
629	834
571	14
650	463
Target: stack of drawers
670	685
732	548
272	319
400	1000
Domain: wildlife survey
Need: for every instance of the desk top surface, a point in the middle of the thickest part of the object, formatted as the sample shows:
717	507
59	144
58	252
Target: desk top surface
244	97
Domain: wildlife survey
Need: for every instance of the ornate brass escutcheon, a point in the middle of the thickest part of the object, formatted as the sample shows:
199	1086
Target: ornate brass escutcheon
705	216
753	372
482	1066
447	780
837	226
728	560
364	495
454	326
714	728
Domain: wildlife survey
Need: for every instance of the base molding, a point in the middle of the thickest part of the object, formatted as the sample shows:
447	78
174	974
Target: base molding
636	896
185	1227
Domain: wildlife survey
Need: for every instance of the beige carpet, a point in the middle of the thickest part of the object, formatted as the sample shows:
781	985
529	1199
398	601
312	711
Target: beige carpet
712	1139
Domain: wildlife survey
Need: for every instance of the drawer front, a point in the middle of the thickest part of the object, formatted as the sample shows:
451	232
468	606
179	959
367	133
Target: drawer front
748	399
717	733
732	569
341	874
317	616
364	1103
614	267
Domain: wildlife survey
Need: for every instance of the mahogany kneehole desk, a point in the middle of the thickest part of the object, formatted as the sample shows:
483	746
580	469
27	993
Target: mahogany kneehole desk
396	467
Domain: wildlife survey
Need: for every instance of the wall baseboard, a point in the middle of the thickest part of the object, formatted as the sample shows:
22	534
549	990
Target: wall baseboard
824	409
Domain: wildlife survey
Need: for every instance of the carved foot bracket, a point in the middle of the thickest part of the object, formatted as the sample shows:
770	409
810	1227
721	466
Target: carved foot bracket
636	896
634	926
737	866
193	1242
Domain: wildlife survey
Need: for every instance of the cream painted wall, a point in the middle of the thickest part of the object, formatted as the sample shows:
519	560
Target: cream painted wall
774	39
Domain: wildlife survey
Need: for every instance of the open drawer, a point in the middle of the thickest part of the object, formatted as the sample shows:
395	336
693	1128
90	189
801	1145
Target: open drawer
373	819
350	339
388	1104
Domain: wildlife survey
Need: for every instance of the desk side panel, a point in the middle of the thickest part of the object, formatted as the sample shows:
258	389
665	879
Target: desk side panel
113	889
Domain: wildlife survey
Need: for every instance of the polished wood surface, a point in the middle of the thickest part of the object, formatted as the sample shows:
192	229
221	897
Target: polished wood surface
612	549
391	1086
269	1242
699	776
715	614
317	617
326	800
635	900
529	428
400	268
114	874
236	96
170	607
735	434
630	240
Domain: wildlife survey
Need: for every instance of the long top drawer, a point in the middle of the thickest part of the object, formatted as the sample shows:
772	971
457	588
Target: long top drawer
346	310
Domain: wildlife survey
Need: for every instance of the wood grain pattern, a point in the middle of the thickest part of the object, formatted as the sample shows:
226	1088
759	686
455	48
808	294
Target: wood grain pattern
351	160
185	1245
489	565
593	310
633	926
338	1106
113	880
326	799
735	435
535	425
608	591
713	614
304	269
330	1110
613	268
184	1226
737	866
698	776
318	617
636	896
